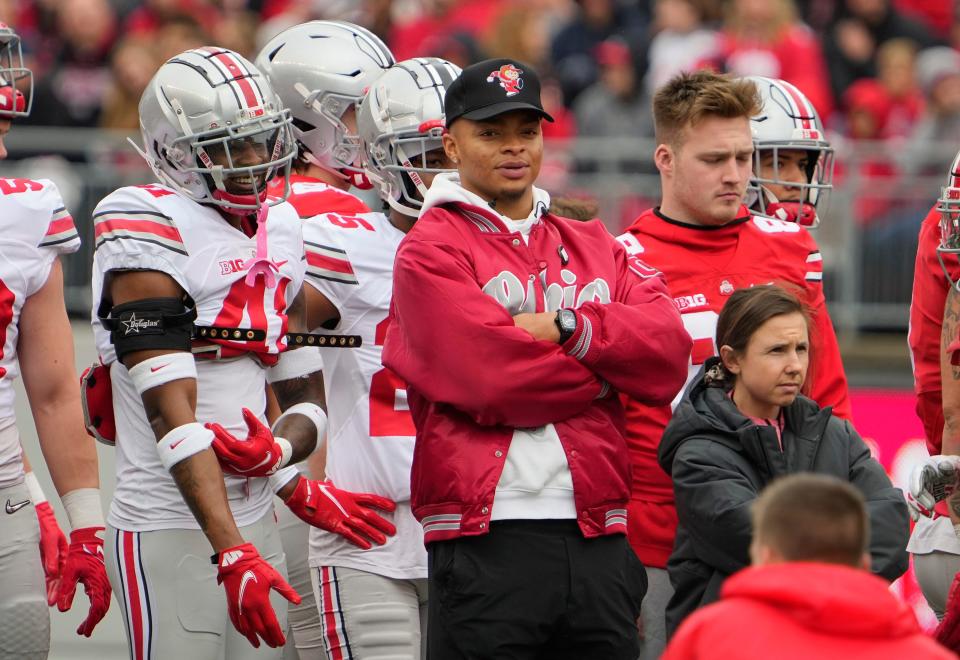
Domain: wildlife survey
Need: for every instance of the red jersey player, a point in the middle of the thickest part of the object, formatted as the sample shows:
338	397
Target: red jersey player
934	331
708	244
930	289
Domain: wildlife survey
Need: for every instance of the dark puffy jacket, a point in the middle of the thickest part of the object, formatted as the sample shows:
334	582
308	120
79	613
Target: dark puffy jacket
721	460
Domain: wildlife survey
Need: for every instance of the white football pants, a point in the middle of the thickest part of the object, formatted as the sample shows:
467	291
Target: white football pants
303	627
24	616
173	608
367	616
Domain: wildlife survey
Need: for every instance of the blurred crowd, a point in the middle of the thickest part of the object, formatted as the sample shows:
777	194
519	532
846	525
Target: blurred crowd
880	70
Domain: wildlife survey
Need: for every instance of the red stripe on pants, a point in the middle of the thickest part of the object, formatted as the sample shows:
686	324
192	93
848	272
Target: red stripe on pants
133	596
335	644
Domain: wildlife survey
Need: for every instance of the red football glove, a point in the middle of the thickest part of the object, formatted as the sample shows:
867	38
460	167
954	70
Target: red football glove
53	549
350	515
85	565
248	579
259	455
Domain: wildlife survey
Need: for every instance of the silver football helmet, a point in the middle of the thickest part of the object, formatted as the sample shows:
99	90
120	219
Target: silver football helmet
214	130
400	120
16	80
788	121
948	205
321	69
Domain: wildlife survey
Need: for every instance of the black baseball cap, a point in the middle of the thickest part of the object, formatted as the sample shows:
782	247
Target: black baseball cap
490	88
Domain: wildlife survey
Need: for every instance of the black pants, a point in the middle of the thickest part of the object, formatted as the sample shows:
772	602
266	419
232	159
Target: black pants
534	589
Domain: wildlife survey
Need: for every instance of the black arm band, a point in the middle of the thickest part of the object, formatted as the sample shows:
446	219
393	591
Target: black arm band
151	324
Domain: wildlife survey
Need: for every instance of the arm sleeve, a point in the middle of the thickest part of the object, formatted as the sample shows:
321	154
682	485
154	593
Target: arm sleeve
637	342
713	504
889	519
456	345
828	381
296	363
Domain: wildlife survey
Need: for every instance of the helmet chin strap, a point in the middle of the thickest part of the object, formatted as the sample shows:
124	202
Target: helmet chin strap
232	200
404	160
358	180
802	213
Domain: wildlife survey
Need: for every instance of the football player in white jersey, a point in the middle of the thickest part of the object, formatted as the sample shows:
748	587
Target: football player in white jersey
35	340
793	160
373	603
195	287
320	70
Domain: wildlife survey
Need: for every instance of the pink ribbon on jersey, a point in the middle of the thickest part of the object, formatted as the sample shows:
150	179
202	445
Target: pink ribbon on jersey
260	264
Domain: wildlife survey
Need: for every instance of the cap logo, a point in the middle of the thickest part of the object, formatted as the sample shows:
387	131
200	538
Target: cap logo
508	77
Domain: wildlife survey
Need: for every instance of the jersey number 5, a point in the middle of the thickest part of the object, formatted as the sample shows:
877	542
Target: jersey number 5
387	391
13	186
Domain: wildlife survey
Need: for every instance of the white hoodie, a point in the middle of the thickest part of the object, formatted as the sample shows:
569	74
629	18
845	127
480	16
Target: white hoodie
446	188
535	482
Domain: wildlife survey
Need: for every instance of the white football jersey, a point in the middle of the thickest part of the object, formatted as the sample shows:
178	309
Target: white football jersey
154	228
35	228
370	436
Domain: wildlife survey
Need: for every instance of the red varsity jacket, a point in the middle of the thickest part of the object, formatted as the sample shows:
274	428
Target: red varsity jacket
473	376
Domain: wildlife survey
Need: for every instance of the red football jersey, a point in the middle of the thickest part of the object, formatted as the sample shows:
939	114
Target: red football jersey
930	287
703	266
312	197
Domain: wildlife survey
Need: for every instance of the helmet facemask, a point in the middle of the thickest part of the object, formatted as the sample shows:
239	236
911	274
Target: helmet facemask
16	80
813	194
949	208
399	162
220	156
346	148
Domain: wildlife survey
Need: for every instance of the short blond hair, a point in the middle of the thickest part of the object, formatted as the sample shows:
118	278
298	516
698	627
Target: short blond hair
688	98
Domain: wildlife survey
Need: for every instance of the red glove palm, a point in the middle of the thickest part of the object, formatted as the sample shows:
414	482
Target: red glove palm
53	549
248	579
350	515
85	565
259	455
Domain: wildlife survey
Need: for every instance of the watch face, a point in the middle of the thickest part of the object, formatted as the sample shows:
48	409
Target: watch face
568	320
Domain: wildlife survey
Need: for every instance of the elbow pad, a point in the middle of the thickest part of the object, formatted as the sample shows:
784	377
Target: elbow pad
150	324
